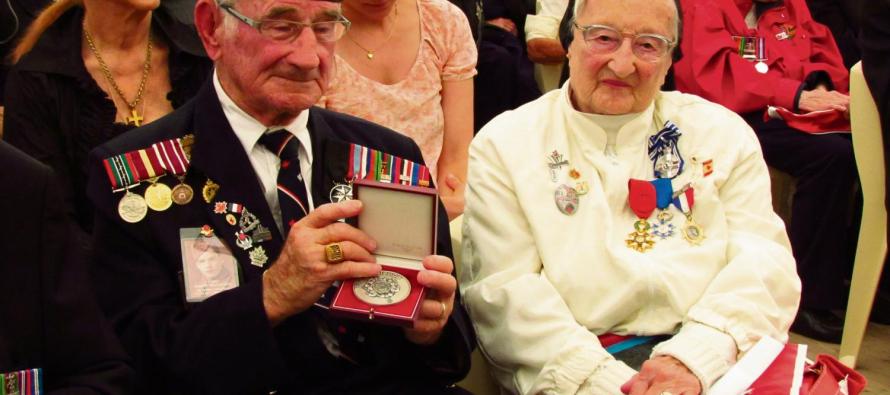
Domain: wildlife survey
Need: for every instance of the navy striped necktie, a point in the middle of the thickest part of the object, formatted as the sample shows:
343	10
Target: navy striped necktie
291	188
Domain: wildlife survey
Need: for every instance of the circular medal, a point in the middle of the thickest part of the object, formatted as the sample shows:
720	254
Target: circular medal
341	192
761	67
132	208
566	199
693	233
158	196
385	289
182	194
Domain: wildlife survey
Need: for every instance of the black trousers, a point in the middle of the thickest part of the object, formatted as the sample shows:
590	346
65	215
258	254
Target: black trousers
825	170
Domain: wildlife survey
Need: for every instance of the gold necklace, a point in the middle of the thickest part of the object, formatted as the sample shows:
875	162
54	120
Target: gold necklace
134	118
370	52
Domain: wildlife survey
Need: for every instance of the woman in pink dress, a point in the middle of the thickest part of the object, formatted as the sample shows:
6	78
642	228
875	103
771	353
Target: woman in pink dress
409	65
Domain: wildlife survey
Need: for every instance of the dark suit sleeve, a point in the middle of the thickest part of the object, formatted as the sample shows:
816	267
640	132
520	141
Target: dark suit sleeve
81	354
223	345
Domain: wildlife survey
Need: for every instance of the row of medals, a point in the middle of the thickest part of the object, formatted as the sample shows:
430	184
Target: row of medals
567	199
159	197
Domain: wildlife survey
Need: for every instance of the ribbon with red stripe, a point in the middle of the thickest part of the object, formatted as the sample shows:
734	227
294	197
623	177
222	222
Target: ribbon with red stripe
23	382
367	163
172	157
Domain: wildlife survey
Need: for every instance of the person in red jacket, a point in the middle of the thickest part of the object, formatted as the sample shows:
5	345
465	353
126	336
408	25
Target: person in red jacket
750	55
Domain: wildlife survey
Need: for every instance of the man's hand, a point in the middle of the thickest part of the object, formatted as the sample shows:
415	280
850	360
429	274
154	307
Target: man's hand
301	273
439	302
451	191
822	99
663	375
505	24
545	51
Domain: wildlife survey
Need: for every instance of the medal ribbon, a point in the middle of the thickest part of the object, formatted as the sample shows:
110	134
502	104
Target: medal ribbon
685	200
663	192
641	197
173	159
23	382
761	49
665	140
366	163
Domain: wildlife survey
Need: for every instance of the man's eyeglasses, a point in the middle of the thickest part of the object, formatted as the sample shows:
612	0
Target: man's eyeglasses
287	31
605	39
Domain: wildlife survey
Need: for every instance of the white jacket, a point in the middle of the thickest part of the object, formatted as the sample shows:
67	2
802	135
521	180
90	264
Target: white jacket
540	285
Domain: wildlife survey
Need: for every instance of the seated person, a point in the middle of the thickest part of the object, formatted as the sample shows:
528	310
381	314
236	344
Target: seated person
50	320
609	208
89	70
749	55
273	59
409	65
542	41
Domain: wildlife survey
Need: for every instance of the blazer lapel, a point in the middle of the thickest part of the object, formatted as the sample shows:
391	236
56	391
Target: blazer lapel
218	154
330	159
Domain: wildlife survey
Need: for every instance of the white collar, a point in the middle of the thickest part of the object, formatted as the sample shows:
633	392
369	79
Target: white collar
249	130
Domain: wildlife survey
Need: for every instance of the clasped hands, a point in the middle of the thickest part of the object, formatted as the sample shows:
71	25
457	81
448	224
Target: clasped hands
302	273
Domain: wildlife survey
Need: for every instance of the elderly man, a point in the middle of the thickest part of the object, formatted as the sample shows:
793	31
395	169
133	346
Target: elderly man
607	217
218	159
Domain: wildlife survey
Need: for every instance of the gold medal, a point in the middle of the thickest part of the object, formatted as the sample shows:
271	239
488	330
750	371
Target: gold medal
158	196
182	194
692	232
209	190
132	207
640	239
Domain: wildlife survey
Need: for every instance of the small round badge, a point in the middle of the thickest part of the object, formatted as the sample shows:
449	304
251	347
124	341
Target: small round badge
385	289
132	208
182	194
761	67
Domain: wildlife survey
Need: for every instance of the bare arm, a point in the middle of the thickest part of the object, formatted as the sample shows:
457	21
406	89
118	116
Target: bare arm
457	104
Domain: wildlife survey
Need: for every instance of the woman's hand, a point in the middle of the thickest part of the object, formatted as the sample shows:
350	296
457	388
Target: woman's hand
451	191
663	375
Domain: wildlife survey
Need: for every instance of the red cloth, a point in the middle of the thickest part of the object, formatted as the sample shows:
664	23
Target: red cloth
712	68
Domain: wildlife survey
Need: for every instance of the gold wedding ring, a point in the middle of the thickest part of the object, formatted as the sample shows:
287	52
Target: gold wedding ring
333	253
444	309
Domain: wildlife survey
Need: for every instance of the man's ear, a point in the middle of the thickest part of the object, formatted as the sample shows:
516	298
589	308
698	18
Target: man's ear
209	23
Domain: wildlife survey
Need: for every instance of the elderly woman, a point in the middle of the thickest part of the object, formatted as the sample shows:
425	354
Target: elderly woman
89	70
607	219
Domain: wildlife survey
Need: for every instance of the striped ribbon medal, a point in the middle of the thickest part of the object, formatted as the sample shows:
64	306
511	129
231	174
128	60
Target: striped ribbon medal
370	164
23	382
174	160
692	232
130	169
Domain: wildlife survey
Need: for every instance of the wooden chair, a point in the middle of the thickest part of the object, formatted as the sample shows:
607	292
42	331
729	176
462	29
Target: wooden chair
872	247
478	381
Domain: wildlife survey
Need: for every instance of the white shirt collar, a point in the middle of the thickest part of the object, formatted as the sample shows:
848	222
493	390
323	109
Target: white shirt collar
249	130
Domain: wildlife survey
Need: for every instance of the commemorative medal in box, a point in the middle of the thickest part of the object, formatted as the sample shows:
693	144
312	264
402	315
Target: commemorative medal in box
403	220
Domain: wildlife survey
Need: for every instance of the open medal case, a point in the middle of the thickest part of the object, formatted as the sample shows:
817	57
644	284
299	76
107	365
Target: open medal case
403	220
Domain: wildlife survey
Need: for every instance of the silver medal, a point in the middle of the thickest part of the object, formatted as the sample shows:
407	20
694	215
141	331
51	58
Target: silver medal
341	192
132	207
385	289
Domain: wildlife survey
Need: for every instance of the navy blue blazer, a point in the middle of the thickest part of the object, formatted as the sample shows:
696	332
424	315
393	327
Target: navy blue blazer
225	344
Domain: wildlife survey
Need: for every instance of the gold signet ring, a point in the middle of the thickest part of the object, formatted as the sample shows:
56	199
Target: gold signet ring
333	253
